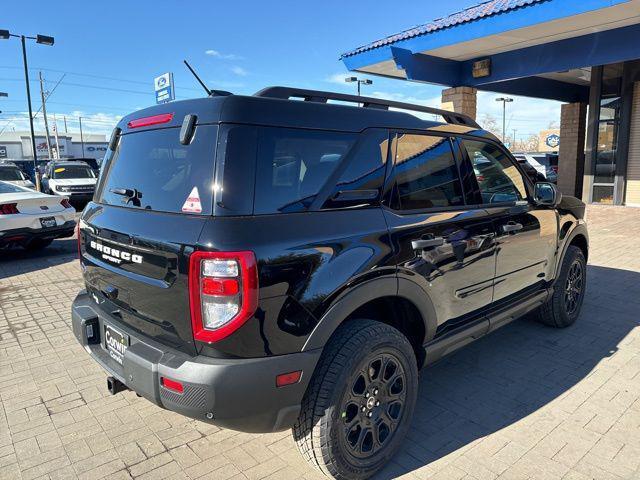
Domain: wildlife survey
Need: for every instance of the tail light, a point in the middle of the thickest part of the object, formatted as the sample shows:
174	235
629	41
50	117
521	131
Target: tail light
223	291
9	209
65	203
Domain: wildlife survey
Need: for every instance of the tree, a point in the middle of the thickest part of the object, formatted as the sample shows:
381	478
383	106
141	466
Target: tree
490	124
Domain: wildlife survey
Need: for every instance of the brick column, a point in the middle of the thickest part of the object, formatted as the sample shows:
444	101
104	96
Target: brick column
460	100
573	121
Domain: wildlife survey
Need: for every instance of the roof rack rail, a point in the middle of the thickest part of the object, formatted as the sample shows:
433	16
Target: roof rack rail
286	93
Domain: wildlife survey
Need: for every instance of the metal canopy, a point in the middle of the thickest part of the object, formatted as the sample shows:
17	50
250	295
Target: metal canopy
528	46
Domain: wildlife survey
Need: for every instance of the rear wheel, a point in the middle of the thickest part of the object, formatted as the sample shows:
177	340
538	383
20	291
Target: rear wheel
38	244
563	307
358	406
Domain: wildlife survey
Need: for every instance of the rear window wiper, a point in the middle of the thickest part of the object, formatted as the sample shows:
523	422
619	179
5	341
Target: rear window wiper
131	194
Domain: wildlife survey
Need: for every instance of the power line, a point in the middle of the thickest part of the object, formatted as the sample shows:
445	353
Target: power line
99	77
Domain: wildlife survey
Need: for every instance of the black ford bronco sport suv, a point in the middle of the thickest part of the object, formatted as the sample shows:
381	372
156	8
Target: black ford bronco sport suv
285	260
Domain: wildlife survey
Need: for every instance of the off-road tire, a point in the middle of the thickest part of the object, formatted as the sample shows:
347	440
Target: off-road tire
38	244
320	432
555	312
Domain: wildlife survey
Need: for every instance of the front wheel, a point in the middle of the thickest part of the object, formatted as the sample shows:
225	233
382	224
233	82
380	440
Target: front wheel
563	307
357	409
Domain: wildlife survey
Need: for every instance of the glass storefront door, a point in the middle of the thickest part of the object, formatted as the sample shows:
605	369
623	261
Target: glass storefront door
604	181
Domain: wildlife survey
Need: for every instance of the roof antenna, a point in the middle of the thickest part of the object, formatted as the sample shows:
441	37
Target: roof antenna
211	93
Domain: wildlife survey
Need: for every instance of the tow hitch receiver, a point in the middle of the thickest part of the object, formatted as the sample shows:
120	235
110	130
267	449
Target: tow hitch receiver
115	386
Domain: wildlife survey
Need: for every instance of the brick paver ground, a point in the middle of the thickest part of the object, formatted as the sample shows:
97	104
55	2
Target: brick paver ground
524	402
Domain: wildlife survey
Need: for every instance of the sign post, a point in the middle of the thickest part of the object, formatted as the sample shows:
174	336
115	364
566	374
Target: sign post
163	86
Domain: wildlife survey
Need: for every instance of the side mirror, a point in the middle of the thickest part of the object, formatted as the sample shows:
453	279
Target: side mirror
547	194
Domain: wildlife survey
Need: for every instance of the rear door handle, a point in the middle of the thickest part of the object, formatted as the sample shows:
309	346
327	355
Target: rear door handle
511	227
427	243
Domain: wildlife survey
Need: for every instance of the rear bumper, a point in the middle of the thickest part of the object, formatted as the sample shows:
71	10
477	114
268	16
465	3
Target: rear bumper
24	236
239	394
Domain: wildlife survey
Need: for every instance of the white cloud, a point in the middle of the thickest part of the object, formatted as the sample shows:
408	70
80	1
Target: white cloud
241	72
339	78
99	123
222	56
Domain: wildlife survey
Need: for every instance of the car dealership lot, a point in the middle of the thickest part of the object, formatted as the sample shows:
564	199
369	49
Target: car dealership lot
524	402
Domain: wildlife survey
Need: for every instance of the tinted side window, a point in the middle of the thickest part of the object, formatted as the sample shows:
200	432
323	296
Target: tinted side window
426	173
294	164
498	178
364	173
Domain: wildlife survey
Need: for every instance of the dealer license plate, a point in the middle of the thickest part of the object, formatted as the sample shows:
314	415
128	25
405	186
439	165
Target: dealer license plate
116	343
48	222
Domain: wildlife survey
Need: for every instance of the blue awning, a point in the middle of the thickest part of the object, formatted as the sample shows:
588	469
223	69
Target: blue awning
539	48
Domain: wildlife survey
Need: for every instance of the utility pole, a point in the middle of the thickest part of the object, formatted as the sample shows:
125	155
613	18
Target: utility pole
55	132
81	137
514	138
44	113
65	125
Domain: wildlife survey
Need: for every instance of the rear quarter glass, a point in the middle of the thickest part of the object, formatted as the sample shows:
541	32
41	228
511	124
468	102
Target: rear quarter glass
166	175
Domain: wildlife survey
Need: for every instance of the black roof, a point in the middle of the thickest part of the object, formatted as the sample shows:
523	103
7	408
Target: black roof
314	113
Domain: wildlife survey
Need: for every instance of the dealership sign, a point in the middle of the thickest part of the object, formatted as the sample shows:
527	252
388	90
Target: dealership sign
3	151
163	86
552	140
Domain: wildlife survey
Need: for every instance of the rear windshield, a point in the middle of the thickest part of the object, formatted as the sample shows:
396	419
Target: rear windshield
11	174
61	172
10	188
154	171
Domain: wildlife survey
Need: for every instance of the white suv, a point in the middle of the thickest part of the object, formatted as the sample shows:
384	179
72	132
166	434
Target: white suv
73	179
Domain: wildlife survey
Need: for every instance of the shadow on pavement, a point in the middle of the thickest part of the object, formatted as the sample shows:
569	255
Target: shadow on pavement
16	261
510	374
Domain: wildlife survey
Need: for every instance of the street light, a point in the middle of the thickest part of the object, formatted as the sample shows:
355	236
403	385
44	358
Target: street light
504	101
366	81
42	40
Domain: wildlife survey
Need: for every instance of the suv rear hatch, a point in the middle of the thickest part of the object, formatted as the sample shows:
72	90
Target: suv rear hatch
151	204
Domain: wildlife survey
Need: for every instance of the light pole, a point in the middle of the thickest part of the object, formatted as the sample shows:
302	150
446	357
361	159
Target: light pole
43	40
504	101
366	81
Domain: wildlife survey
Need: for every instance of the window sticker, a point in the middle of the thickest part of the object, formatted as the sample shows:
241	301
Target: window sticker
58	170
192	203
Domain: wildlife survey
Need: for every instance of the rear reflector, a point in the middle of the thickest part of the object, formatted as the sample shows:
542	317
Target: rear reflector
288	378
171	385
9	209
220	286
148	121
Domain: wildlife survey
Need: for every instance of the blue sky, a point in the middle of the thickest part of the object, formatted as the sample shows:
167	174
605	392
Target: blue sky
109	53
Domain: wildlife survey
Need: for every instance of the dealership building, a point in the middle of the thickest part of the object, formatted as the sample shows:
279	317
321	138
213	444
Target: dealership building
584	53
17	145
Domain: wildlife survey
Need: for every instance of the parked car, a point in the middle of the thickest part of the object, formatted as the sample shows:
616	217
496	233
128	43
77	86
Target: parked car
32	219
11	173
264	263
92	162
546	164
74	179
